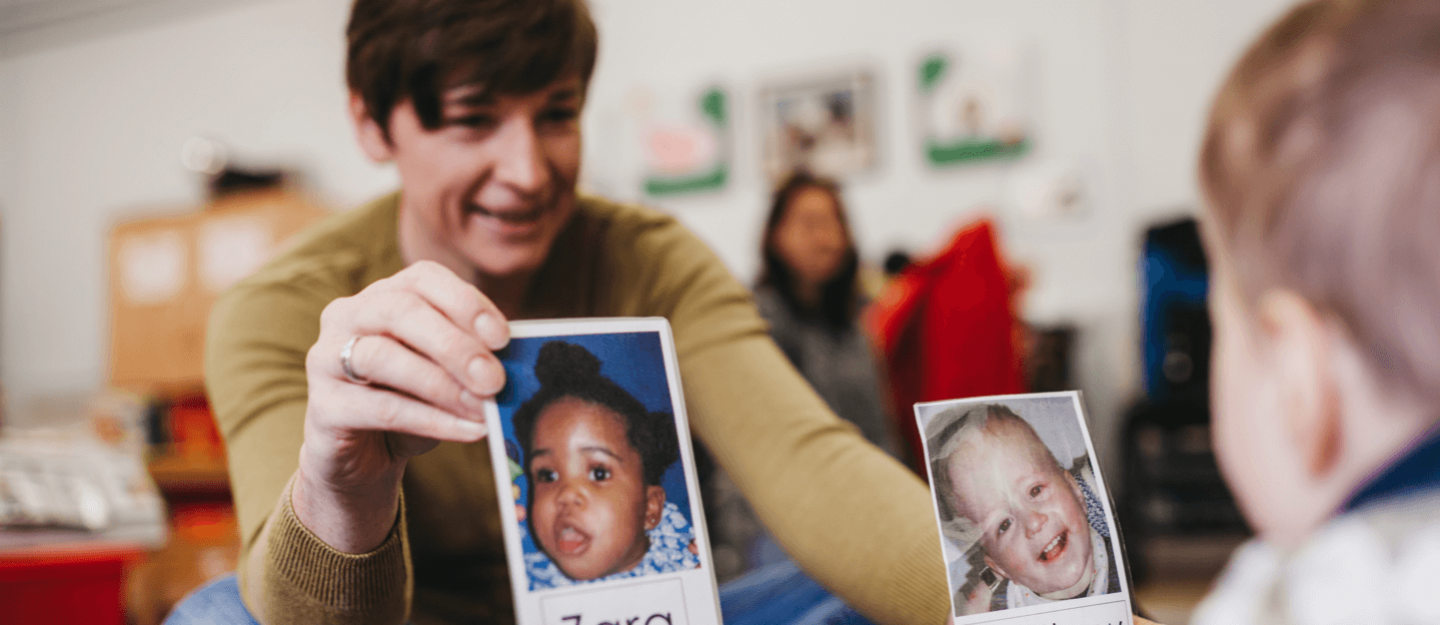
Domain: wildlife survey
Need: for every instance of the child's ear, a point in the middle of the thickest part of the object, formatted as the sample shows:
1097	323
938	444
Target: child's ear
654	506
373	140
1300	350
1074	484
995	567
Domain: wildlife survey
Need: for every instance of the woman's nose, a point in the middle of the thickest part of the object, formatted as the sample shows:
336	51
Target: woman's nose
521	166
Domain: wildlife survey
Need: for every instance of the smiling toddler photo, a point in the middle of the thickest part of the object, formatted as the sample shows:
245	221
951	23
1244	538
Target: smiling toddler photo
1021	528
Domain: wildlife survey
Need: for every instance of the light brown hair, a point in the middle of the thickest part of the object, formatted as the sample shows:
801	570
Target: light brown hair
1321	169
417	49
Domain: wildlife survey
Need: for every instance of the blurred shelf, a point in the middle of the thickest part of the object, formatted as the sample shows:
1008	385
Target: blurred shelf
191	477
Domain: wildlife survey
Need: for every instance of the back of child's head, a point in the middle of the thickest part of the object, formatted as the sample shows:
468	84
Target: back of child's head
569	370
1321	172
944	435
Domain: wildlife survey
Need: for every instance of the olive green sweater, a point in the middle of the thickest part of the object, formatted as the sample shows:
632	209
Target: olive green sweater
856	520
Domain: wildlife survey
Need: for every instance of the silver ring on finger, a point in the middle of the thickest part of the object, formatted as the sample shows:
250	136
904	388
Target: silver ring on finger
345	366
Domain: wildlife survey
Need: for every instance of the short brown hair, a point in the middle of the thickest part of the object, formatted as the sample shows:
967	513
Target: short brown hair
418	49
1321	170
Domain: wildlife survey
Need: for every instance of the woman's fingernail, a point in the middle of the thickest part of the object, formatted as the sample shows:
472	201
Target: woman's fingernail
494	332
473	428
472	401
483	378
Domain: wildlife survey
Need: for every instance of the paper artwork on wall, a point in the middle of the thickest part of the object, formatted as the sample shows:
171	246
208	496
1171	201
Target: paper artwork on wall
152	266
232	248
1052	190
688	152
825	126
972	106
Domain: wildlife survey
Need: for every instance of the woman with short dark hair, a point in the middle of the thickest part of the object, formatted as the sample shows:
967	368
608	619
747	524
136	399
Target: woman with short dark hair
349	374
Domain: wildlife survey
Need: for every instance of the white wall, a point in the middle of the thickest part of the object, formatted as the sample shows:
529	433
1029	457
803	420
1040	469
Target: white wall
1121	89
92	118
99	126
9	155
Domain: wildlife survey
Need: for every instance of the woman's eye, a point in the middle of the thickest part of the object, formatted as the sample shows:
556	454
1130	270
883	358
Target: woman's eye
474	122
545	476
599	474
1004	526
559	115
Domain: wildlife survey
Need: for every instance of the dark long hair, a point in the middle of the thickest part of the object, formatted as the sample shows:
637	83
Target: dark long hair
838	295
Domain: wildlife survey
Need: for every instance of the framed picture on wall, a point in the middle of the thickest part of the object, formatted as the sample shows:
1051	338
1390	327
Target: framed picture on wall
825	125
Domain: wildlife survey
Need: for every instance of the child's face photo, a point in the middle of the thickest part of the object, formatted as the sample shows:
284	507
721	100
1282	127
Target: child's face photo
1033	525
590	506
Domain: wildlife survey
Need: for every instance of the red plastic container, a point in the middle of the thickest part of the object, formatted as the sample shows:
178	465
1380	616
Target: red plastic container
73	584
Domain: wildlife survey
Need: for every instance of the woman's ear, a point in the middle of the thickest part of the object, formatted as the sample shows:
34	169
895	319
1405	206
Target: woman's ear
373	139
654	506
1299	346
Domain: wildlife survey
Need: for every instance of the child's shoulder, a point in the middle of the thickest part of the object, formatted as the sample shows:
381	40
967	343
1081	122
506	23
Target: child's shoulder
1374	565
672	544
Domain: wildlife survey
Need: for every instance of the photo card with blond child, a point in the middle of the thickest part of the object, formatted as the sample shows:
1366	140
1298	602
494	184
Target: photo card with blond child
606	524
1026	524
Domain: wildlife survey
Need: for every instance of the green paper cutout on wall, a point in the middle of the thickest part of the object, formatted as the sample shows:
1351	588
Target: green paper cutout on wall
691	157
972	108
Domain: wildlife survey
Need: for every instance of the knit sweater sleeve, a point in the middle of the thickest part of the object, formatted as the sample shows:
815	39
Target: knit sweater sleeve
258	337
856	520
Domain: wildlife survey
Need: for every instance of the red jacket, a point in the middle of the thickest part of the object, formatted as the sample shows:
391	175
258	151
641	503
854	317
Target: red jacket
945	330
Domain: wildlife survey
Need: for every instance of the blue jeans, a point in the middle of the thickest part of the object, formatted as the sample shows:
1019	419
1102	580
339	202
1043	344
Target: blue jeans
215	603
775	593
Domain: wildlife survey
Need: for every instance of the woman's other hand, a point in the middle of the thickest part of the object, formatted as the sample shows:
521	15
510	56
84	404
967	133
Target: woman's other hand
418	346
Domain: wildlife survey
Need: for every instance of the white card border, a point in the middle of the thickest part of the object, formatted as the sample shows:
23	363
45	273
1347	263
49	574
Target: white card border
1105	501
527	602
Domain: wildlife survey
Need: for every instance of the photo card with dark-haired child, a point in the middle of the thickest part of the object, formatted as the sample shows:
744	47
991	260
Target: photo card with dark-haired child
593	464
1027	527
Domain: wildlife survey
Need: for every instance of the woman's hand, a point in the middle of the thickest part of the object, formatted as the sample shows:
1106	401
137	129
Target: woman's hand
420	353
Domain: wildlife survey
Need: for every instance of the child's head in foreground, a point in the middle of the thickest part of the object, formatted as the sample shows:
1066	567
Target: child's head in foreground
1321	172
999	484
595	457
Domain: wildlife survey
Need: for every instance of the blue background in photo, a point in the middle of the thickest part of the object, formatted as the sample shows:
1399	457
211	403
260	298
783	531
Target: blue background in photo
632	360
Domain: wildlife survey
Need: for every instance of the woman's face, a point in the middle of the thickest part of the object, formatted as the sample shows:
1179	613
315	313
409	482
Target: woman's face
488	191
589	505
810	239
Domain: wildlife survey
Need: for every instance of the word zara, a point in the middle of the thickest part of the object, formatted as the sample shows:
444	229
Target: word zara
575	619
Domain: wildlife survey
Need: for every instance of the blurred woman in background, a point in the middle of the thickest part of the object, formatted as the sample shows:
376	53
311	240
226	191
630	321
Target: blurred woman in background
809	290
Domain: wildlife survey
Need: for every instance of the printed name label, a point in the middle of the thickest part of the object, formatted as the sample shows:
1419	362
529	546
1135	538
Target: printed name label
1108	613
660	602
